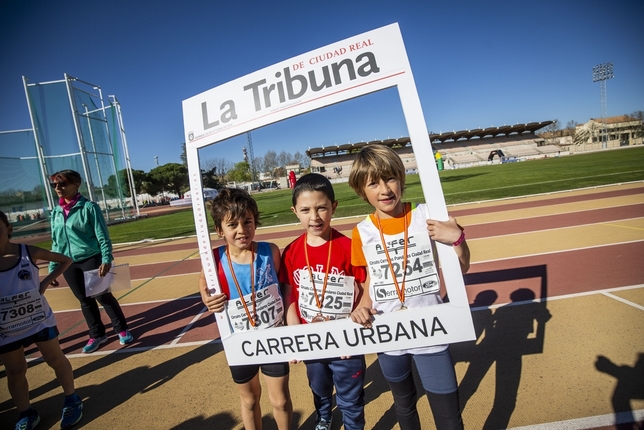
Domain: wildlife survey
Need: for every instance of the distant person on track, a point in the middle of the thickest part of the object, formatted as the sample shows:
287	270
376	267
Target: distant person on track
26	318
245	267
78	230
307	263
378	176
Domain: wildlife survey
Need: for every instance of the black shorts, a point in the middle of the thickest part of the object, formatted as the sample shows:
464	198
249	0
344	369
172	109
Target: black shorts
43	335
243	374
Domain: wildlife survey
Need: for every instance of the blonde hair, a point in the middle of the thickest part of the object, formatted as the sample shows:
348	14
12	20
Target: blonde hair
375	162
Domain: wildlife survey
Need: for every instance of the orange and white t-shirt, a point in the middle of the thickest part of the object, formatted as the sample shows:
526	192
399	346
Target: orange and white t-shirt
418	277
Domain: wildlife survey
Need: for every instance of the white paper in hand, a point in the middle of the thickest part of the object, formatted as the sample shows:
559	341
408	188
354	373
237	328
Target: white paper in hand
118	278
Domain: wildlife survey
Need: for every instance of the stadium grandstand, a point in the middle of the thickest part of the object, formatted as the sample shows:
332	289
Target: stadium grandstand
493	145
458	149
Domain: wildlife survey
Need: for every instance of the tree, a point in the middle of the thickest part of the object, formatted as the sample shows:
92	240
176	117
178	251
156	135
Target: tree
258	164
551	128
297	158
111	189
171	177
240	173
550	133
220	166
209	178
284	159
571	128
139	176
302	160
270	162
638	114
184	154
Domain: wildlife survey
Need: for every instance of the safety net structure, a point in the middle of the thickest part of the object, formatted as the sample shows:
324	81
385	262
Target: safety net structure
73	128
23	195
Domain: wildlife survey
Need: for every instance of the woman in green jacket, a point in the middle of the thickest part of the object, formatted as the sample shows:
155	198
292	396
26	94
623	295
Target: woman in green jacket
78	230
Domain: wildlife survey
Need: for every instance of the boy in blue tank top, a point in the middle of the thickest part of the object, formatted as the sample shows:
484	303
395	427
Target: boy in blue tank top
245	267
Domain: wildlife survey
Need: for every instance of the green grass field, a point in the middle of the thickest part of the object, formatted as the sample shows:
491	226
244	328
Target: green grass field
459	186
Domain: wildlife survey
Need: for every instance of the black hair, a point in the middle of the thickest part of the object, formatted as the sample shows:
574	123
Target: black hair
313	182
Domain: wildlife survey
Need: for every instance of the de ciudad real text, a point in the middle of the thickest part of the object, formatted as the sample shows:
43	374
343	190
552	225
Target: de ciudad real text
288	87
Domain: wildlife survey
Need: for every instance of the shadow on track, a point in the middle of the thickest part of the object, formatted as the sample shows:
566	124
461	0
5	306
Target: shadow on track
504	336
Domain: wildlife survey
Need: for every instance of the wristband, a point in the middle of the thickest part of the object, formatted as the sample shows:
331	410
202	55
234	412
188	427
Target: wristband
460	239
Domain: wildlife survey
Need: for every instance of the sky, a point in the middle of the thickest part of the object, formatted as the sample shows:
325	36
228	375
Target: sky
476	64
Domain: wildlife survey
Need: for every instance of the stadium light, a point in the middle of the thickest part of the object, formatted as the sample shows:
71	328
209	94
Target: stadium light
601	73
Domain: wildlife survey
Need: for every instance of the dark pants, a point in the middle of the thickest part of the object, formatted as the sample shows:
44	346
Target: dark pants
437	375
89	306
348	377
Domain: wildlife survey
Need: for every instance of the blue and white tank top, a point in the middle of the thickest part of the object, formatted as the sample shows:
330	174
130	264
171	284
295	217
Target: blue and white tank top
269	307
23	310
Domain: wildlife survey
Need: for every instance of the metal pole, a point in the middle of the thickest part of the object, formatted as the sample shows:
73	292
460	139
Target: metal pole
79	137
98	166
112	157
39	150
130	175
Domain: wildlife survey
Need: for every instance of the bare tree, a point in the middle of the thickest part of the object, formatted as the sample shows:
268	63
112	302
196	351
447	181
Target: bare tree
551	132
284	158
638	114
270	162
258	164
220	166
571	127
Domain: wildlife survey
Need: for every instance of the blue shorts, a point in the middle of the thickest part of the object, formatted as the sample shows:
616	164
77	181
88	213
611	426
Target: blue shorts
43	335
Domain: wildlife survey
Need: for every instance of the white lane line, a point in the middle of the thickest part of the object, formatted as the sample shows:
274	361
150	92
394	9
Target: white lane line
612	296
562	297
543	230
546	215
607	420
135	349
190	324
582	248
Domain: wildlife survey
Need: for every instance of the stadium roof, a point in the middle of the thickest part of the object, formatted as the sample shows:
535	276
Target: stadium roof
478	133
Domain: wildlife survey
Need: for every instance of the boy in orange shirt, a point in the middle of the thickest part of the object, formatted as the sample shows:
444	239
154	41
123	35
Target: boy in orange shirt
378	176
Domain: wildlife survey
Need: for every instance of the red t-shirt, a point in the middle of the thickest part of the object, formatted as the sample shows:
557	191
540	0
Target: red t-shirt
294	261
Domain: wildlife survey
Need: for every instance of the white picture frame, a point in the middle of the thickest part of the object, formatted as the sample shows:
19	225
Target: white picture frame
357	66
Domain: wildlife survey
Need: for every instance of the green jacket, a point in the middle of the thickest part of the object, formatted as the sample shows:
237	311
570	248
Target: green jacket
82	235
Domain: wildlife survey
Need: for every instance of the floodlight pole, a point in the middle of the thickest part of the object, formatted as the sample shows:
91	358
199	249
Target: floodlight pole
251	157
601	73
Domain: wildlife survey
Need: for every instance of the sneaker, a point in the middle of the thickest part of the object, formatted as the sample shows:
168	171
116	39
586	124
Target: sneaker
28	420
94	343
125	337
323	424
72	412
